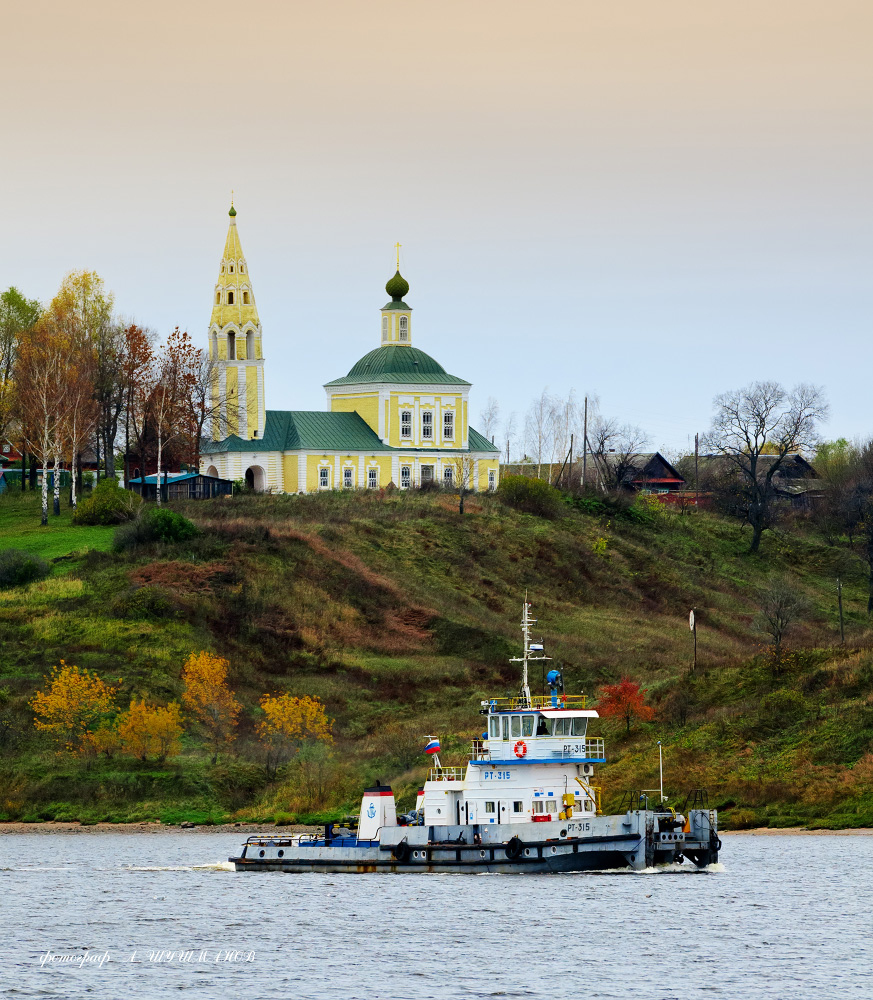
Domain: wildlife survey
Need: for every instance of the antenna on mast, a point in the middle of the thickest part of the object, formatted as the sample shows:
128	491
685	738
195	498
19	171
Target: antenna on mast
526	622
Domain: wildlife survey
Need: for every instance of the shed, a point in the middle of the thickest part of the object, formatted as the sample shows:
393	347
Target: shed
181	486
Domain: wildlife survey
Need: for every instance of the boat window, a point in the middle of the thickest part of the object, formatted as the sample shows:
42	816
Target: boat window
561	727
494	727
489	807
527	725
516	725
542	726
517	807
505	726
551	806
538	805
579	726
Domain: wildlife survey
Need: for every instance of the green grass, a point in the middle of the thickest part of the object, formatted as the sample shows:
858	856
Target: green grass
401	615
20	528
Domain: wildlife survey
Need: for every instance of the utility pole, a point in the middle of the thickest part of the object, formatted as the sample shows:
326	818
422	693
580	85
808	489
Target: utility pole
585	445
696	476
661	768
570	471
840	602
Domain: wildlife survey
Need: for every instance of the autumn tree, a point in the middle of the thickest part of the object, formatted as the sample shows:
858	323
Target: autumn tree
170	402
140	376
625	701
288	723
43	354
463	468
154	731
208	697
17	315
73	706
780	607
763	419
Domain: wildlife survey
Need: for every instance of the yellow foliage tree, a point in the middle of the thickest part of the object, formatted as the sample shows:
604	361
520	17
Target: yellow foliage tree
72	707
209	699
151	731
288	722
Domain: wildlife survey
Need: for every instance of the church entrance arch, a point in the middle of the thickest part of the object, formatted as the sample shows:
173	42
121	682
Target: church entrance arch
212	471
256	478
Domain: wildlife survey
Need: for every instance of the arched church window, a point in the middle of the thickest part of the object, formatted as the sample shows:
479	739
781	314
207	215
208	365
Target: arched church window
230	298
448	425
231	268
218	298
231	346
242	267
406	424
404	328
427	425
250	345
384	327
245	298
324	478
405	477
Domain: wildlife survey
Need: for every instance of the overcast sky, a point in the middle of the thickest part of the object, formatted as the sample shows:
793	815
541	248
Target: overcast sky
652	202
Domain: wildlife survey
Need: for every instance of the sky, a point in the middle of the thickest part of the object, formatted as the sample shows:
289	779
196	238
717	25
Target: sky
650	203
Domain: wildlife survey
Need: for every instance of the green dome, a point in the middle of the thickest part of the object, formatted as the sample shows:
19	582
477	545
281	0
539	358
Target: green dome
232	211
395	360
397	287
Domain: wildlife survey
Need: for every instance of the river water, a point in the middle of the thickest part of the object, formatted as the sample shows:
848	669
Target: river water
159	915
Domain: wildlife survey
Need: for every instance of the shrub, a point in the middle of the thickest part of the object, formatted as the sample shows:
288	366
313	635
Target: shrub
18	568
532	496
108	504
157	524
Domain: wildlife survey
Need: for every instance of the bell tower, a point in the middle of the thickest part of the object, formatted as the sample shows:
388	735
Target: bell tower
396	318
235	346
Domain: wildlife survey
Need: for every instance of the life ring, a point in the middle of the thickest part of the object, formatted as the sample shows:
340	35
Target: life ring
520	748
514	849
401	852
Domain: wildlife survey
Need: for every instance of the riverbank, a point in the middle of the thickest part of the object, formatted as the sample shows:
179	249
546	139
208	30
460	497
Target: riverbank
249	828
89	828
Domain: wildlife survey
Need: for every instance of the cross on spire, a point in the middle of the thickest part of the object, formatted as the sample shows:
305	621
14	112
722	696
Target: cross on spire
397	248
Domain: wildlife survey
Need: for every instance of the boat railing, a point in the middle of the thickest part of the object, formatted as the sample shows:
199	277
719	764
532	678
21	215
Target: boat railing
519	702
479	750
446	774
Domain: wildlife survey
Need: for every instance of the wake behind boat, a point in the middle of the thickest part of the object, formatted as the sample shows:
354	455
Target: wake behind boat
524	802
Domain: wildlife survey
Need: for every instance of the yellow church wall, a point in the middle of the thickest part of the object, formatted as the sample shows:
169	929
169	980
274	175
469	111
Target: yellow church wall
407	401
486	465
289	473
232	407
365	405
251	400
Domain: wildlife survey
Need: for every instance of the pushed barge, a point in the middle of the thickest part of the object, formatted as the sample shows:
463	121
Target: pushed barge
524	802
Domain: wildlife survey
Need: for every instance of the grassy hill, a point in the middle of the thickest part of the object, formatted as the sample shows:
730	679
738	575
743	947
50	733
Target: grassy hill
400	614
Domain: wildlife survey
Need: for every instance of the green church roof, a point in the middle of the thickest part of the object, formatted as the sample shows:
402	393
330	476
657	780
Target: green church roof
398	363
317	430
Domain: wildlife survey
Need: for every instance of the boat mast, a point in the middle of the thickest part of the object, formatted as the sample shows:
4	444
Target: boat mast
525	658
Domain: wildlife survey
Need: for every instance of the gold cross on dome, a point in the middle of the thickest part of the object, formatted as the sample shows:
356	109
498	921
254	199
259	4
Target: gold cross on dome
397	248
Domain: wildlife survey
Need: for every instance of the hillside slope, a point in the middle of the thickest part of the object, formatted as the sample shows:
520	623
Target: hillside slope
400	614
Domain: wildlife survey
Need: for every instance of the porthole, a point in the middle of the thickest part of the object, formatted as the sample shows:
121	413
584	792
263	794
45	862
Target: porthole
281	854
527	852
481	854
554	850
260	854
563	833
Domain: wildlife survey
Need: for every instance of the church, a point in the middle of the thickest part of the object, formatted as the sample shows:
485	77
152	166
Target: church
396	418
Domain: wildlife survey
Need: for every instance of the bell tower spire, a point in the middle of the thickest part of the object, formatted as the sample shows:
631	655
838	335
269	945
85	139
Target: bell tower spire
235	345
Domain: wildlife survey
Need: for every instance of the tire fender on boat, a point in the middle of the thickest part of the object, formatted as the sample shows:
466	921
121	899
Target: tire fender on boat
514	848
401	851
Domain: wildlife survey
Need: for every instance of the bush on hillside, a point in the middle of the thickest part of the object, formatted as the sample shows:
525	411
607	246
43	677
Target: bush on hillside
157	524
532	496
109	503
18	568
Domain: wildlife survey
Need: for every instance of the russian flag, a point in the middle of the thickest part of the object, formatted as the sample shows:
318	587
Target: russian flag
433	747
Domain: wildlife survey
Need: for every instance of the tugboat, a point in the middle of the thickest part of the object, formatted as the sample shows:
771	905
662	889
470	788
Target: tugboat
524	802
